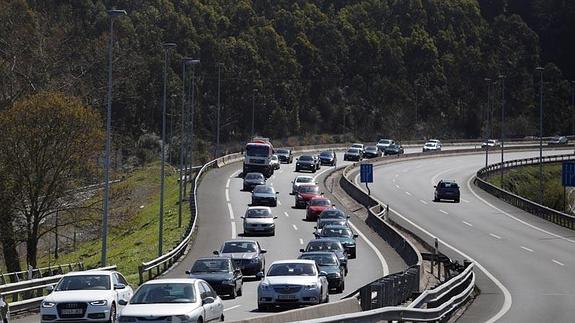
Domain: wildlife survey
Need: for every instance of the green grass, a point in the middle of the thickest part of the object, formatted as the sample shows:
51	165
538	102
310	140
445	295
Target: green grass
133	232
524	181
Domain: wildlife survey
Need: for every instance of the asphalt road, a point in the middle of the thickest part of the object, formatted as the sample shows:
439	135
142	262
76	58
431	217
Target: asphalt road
532	259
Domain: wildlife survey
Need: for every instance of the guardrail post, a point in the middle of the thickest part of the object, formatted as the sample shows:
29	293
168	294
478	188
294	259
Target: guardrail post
380	294
365	297
140	274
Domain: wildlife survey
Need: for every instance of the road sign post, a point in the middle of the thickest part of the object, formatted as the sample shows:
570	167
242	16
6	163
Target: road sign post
366	175
567	179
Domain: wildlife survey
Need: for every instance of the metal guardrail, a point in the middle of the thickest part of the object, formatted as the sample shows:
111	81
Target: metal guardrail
15	277
28	294
549	214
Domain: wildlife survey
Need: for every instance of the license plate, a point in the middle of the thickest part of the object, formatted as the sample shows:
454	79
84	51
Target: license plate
72	311
286	296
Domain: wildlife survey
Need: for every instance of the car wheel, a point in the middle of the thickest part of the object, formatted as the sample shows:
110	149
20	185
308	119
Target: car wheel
326	298
234	293
263	308
200	320
342	287
113	314
297	169
456	200
314	170
273	232
222	317
353	254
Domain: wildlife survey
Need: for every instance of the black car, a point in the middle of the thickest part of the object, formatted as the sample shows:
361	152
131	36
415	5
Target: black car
353	154
285	155
328	158
343	234
247	254
446	190
332	213
327	261
328	221
4	311
393	149
223	274
253	179
331	245
558	140
371	152
306	162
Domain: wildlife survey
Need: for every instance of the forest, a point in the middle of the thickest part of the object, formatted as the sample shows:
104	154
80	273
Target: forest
406	69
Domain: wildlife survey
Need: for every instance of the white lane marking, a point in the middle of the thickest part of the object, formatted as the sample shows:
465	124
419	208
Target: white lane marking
443	212
507	296
557	262
393	180
231	308
231	211
300	241
467	223
384	266
396	175
279	202
294	227
228	183
397	186
286	214
495	236
236	173
227	195
280	171
466	201
274	177
422	201
527	249
233	230
408	193
515	218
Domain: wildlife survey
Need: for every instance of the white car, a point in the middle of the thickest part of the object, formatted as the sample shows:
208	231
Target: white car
300	180
491	143
275	162
87	296
174	300
384	143
358	146
292	282
437	141
259	219
431	146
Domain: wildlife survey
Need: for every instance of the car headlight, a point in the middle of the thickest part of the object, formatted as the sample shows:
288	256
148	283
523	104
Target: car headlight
334	275
254	260
299	197
47	304
311	286
264	286
228	282
101	302
183	318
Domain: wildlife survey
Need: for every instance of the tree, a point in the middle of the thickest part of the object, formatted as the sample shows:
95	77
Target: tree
49	144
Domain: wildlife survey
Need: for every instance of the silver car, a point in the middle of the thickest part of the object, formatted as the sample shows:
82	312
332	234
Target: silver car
264	195
275	162
300	180
174	300
258	220
292	282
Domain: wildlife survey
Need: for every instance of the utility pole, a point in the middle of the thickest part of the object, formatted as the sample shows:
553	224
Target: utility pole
488	113
218	113
540	70
502	139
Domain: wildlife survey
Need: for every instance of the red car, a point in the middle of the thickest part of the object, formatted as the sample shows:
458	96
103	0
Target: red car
305	193
315	206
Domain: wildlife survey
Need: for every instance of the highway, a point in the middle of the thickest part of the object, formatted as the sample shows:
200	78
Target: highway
532	259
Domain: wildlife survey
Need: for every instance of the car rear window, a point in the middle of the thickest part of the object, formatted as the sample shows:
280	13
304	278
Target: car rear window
449	185
306	158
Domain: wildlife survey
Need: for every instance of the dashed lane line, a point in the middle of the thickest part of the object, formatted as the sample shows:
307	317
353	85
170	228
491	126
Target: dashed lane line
526	249
279	202
294	227
301	241
231	308
495	236
467	223
558	262
443	212
424	202
408	193
286	214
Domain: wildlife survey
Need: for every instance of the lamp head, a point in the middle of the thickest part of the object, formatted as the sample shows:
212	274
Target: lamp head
116	13
169	45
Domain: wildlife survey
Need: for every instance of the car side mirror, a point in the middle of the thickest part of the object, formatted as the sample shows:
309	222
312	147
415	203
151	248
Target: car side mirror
301	250
119	286
217	253
434	186
349	217
188	272
355	236
263	251
50	288
315	227
260	275
237	270
275	217
322	274
123	302
208	300
243	217
277	192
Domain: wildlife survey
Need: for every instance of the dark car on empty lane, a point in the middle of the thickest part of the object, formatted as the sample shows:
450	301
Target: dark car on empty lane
223	274
446	190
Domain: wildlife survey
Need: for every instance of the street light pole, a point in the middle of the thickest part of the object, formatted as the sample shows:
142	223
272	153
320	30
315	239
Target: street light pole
167	47
502	134
488	112
192	110
573	107
254	91
218	116
104	260
540	69
416	103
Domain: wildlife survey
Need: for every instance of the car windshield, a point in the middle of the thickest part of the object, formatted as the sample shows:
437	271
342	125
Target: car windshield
326	154
253	176
306	158
448	185
309	189
323	222
323	246
371	148
352	151
211	266
335	232
282	152
393	146
258	213
164	293
239	246
292	269
258	150
332	214
357	146
84	282
263	189
304	179
430	144
274	157
326	259
320	202
384	141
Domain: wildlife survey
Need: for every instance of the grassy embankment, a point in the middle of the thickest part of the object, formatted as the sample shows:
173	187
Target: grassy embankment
524	181
134	223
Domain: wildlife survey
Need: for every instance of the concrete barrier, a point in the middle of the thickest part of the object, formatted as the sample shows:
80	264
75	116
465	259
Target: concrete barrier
346	306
